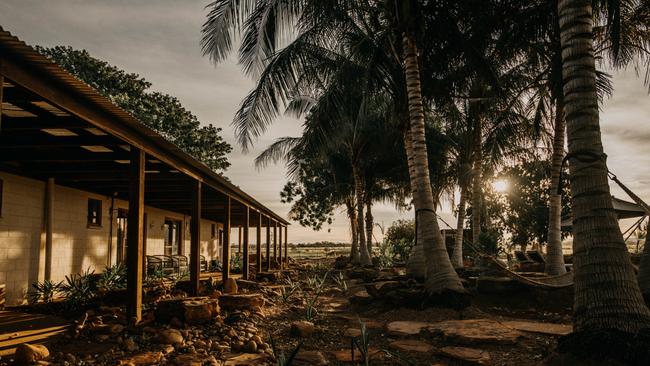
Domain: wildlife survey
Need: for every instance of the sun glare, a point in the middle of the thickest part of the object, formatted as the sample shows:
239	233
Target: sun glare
500	185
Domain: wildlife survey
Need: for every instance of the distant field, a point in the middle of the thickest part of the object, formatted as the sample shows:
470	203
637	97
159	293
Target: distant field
317	251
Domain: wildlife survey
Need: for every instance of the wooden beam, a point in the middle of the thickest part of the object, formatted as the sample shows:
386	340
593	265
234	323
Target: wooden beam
49	218
134	236
195	239
239	239
268	243
246	229
226	245
258	243
280	246
275	241
2	80
286	247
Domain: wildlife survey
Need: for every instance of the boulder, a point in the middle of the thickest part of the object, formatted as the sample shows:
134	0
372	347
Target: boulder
192	310
170	336
406	328
230	286
411	345
143	359
476	331
27	354
308	358
302	329
467	355
241	301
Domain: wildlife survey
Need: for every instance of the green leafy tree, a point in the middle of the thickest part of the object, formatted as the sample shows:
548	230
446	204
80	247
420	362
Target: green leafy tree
161	112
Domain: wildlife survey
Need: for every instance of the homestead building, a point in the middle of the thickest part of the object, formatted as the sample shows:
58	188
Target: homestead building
83	184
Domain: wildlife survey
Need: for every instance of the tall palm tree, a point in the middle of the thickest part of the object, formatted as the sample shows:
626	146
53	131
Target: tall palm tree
607	295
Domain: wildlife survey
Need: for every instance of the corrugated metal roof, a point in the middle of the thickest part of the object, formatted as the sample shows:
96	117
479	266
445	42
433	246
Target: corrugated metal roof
46	68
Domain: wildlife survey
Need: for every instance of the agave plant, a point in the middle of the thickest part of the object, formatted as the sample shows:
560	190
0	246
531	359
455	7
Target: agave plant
362	344
113	278
44	291
79	289
290	288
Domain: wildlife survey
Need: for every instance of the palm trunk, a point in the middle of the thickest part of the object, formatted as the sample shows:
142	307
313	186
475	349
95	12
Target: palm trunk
476	183
369	225
352	215
607	295
415	264
358	190
457	253
440	274
554	254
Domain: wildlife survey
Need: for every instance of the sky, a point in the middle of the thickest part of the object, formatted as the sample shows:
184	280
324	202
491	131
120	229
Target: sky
160	41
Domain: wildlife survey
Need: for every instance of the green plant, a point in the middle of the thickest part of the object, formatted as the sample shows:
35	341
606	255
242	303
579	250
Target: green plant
113	278
236	263
290	288
340	282
362	344
280	358
44	291
155	278
79	289
385	254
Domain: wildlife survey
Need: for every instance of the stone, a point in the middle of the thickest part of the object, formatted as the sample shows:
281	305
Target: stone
129	345
115	328
189	359
308	358
30	353
352	332
168	349
248	285
468	355
144	359
302	329
345	355
541	328
411	345
192	310
476	331
246	359
267	276
361	297
170	336
241	301
250	347
380	289
402	328
230	286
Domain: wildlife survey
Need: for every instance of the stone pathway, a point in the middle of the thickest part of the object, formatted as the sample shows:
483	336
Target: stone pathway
403	328
541	328
476	331
411	345
468	355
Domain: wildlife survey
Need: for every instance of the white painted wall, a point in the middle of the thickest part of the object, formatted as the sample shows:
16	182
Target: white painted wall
76	246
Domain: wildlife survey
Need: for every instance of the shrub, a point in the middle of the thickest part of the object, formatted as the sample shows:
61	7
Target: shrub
401	235
79	290
44	291
113	278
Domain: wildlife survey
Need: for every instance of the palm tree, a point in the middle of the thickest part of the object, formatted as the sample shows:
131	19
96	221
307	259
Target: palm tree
607	295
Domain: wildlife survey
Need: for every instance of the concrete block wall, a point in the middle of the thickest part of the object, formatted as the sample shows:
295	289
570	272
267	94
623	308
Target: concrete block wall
76	246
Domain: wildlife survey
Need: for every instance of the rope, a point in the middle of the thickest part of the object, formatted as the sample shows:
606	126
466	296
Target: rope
583	156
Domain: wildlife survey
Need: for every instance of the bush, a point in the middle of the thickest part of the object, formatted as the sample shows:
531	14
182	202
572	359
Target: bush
489	242
113	278
401	236
44	291
79	290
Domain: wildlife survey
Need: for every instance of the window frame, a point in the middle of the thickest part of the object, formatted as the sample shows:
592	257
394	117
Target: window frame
167	243
94	221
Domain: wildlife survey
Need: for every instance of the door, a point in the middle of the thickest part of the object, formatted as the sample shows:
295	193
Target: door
172	237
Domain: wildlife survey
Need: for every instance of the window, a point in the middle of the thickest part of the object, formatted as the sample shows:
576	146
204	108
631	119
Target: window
1	191
94	212
213	231
172	237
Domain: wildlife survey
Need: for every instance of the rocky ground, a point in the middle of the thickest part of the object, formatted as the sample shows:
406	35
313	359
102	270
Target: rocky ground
325	312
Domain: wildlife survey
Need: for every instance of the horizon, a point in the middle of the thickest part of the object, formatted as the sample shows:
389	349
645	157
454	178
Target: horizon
154	39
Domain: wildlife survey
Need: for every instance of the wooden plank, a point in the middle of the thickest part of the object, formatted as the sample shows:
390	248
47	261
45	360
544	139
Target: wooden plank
2	79
246	229
268	243
134	236
225	273
280	245
195	239
258	243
